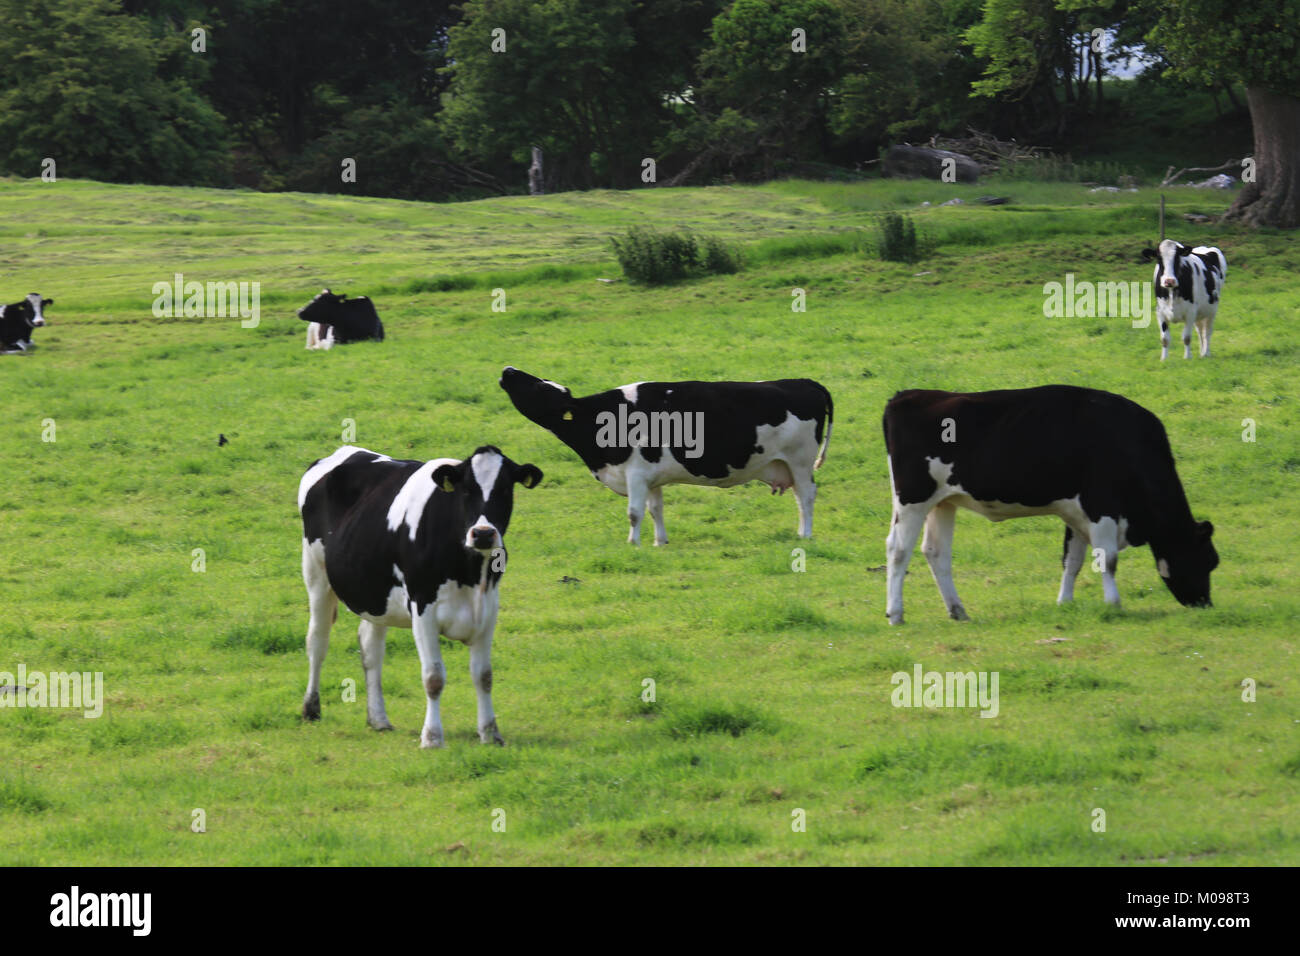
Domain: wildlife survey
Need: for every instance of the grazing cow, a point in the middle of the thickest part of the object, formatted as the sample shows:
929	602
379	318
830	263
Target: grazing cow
408	544
1188	283
1098	461
638	438
18	320
338	320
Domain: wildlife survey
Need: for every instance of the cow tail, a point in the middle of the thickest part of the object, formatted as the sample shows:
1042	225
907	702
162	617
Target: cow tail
830	420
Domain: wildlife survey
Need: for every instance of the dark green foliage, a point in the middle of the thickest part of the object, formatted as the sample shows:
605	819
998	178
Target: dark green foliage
656	258
896	238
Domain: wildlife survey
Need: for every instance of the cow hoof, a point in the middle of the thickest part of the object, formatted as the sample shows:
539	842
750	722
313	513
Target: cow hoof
430	743
379	724
311	707
660	544
895	619
958	613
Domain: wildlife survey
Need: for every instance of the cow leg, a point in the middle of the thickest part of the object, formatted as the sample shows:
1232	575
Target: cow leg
425	628
371	638
1104	537
937	548
655	505
324	608
805	493
1073	553
480	670
1164	338
1187	339
637	492
1203	329
906	528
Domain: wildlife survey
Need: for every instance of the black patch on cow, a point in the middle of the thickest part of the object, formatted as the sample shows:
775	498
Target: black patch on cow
732	413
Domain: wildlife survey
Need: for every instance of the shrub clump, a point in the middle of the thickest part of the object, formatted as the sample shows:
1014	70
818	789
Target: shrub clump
657	258
896	238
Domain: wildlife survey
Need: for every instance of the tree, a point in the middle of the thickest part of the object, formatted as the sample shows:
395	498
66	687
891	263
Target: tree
1258	45
592	83
94	89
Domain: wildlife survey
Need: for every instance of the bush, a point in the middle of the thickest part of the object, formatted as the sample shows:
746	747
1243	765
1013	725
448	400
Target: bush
657	258
896	241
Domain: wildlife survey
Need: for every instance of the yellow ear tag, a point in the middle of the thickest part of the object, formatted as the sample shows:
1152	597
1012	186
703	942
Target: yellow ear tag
568	416
446	484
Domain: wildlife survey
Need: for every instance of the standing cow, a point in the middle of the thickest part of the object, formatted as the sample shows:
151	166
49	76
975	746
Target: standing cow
1098	461
337	320
18	320
408	544
1188	283
637	438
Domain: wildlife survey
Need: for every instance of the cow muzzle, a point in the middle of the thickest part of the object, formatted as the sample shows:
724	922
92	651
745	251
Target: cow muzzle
1169	282
483	538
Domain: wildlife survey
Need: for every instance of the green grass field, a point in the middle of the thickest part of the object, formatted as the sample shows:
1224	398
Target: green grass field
772	686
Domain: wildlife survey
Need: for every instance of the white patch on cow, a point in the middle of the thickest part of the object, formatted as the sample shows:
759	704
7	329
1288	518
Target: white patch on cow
486	467
1162	568
547	381
398	575
35	300
786	461
630	391
411	499
463	611
323	467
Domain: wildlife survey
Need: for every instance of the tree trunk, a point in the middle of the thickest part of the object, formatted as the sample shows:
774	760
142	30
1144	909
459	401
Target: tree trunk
1273	199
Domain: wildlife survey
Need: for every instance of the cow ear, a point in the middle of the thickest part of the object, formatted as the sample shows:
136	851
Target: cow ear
446	477
1149	253
528	475
45	302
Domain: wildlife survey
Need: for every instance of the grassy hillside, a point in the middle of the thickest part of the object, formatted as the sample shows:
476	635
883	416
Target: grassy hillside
773	687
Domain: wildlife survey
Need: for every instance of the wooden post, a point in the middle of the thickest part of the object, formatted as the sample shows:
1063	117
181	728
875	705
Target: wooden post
535	181
1162	217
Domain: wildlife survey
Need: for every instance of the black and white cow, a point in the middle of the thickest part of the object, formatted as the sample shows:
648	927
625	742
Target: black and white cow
408	544
1188	283
338	320
637	438
18	320
1098	461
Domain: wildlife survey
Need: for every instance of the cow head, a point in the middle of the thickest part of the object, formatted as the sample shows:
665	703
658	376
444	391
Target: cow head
540	401
481	490
321	308
1168	255
1187	572
34	305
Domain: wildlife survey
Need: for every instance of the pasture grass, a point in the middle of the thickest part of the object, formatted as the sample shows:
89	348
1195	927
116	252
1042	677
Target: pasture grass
772	687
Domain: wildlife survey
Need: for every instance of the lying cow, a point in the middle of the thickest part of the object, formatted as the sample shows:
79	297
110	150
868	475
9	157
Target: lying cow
408	544
18	320
638	438
338	320
1188	283
1098	461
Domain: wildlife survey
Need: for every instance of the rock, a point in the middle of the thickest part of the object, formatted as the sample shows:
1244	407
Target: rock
1221	181
1104	189
921	161
995	200
953	202
1196	217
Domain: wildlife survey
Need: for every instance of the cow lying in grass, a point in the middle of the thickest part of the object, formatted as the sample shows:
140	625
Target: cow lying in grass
338	320
18	320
